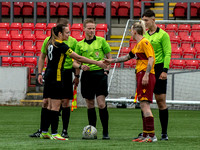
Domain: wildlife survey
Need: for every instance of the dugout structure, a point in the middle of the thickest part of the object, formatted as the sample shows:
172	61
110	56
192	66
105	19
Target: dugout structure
183	83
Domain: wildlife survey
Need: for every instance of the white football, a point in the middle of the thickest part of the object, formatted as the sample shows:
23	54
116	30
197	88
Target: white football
89	132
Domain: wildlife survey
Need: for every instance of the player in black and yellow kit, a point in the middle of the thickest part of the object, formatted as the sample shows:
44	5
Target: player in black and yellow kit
94	82
56	51
145	76
68	83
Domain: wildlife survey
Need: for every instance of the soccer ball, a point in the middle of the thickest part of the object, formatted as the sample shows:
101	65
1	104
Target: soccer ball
89	132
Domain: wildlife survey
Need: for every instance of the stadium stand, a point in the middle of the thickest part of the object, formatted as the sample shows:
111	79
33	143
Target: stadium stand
17	8
41	8
114	8
5	9
180	10
53	8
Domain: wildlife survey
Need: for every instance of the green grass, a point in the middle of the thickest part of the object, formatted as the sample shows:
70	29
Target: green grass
16	123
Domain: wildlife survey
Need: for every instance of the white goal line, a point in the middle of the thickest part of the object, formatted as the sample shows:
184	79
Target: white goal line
118	100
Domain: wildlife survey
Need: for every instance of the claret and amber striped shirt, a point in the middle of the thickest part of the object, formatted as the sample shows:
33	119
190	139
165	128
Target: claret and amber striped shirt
142	51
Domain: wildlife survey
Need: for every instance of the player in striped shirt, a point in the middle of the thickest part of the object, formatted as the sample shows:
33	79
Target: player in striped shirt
145	75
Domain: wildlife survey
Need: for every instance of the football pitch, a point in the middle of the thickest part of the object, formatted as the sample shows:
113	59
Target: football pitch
17	122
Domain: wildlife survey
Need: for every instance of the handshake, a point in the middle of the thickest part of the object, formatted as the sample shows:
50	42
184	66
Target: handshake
104	63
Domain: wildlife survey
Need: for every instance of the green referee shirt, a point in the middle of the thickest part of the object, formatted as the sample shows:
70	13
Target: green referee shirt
71	42
94	49
162	47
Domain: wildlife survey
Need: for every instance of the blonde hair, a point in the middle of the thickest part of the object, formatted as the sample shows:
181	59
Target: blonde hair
88	20
139	27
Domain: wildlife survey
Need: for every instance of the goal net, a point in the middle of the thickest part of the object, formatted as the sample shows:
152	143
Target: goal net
182	85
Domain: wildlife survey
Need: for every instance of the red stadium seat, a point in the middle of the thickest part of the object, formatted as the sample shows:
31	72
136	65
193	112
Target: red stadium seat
191	64
194	9
189	52
184	29
77	9
101	30
79	37
49	27
17	61
27	9
30	50
171	33
125	50
39	41
76	29
162	26
6	61
16	40
99	9
17	8
171	28
28	40
30	62
180	10
114	8
178	64
137	9
40	29
5	39
177	52
198	50
148	4
27	29
63	9
186	41
53	8
41	8
17	50
5	11
5	50
132	43
175	39
15	28
90	7
124	8
196	27
4	27
195	34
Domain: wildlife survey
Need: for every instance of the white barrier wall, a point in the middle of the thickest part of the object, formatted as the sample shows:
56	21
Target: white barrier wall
13	84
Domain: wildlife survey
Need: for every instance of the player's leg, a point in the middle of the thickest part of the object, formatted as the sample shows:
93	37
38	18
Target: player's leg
163	114
104	117
55	107
65	117
46	122
91	112
148	123
87	91
68	90
43	115
160	95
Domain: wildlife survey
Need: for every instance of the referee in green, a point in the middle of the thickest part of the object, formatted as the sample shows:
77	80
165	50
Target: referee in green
94	82
162	47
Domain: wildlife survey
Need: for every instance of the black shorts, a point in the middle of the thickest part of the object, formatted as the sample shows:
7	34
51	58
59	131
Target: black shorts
161	85
59	90
94	83
68	83
53	90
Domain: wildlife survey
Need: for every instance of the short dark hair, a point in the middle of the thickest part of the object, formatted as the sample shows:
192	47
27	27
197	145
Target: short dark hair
148	13
88	20
63	21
